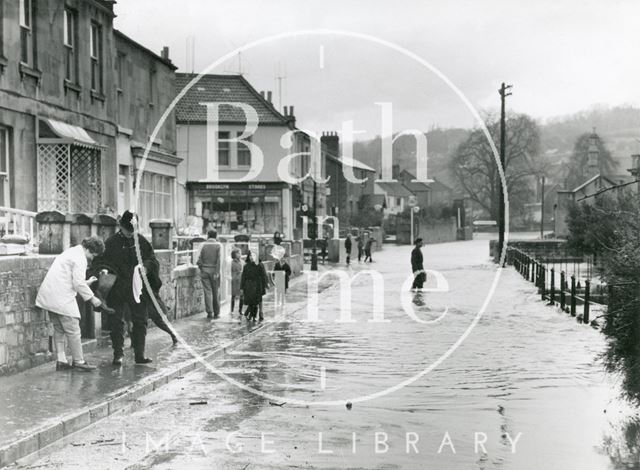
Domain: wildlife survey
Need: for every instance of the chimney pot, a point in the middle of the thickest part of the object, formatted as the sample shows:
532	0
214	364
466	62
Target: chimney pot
291	113
269	96
262	94
285	110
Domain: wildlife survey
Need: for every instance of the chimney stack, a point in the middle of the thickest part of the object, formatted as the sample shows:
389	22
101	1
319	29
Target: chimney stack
165	53
288	114
331	142
269	96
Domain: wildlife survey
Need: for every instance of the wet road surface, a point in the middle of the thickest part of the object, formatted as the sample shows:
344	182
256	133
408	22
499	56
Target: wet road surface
524	390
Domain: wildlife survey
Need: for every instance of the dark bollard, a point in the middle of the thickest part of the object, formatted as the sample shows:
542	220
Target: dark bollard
573	295
552	294
587	288
562	287
543	281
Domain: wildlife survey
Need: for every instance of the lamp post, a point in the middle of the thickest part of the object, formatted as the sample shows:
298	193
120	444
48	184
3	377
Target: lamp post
314	249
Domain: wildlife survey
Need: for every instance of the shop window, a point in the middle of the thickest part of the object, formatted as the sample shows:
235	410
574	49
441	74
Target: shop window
223	148
244	154
70	45
26	33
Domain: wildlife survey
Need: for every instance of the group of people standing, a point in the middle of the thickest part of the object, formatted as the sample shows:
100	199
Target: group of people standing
116	269
363	248
249	279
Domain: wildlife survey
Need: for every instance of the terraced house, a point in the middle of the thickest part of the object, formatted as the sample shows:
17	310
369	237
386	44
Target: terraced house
77	102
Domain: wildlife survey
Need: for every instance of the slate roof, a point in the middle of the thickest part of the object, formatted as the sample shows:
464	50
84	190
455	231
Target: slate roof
414	187
217	88
352	162
394	189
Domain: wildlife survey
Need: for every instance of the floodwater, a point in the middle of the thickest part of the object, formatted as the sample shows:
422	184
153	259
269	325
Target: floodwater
523	390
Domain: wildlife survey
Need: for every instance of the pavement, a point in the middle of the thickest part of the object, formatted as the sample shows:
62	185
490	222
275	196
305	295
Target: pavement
41	405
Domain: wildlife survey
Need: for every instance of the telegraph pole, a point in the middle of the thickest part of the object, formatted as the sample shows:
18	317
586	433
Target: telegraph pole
542	210
501	215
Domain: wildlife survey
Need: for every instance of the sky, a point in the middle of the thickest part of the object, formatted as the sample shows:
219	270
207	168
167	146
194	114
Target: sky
561	56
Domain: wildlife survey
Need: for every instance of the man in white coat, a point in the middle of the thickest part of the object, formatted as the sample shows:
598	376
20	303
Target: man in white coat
64	280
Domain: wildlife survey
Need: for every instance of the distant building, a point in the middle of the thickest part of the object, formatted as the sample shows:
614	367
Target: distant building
396	197
585	192
428	194
343	196
266	203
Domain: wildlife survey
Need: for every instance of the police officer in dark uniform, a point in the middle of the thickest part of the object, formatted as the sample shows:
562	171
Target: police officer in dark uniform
120	258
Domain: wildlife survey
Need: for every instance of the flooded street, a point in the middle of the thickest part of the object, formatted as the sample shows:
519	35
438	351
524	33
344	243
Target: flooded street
524	389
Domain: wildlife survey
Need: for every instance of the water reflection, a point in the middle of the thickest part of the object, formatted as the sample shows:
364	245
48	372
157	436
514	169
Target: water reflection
622	444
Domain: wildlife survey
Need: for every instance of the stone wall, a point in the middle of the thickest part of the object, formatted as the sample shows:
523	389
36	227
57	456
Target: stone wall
439	231
24	329
540	249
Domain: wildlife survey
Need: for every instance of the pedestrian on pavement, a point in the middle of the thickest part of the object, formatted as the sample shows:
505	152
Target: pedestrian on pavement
209	264
417	267
277	238
367	251
347	248
282	265
325	246
57	294
252	285
120	257
360	248
152	268
236	277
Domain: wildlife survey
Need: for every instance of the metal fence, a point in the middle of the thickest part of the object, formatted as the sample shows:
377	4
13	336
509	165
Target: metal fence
573	292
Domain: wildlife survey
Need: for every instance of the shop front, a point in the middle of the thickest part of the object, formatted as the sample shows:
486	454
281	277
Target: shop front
232	208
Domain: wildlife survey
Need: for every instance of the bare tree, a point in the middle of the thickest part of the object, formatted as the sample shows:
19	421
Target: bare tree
476	171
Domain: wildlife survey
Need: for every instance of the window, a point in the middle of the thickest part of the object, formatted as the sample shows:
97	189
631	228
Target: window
95	47
164	200
156	198
223	149
120	70
1	31
4	168
398	201
26	33
71	56
244	154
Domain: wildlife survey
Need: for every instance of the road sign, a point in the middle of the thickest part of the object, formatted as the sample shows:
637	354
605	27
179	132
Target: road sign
413	201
